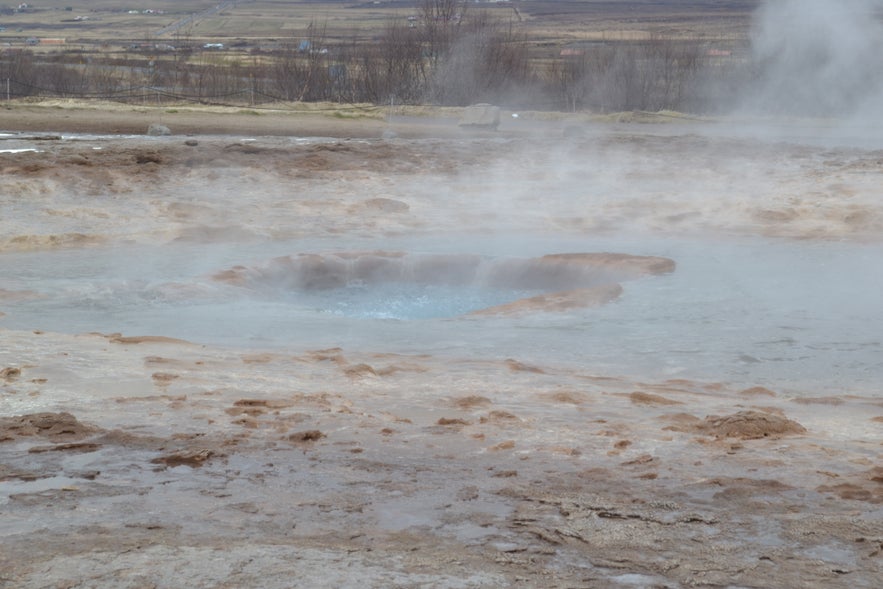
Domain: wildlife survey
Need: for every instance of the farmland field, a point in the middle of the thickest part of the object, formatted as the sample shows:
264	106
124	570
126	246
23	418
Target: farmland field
105	21
607	56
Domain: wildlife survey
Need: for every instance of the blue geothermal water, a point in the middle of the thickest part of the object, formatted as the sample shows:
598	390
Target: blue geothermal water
752	311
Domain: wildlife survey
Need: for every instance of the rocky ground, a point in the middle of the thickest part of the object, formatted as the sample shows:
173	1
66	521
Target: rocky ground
138	460
174	463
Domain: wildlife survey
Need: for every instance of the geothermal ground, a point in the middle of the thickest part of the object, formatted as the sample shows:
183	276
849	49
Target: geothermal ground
193	392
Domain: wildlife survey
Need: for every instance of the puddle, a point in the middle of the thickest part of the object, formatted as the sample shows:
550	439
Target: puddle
39	485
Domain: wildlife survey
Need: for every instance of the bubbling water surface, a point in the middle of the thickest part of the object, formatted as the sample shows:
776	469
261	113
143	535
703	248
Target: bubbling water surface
409	301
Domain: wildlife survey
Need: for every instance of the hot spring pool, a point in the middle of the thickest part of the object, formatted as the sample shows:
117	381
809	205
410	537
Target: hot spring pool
788	315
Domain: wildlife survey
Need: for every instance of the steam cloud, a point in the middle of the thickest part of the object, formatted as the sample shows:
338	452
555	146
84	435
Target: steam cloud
819	58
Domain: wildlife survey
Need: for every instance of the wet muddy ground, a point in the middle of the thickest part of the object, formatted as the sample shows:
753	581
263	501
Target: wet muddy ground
163	462
142	460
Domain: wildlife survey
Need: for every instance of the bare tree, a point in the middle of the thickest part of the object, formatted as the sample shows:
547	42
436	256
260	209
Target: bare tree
20	70
440	24
106	81
396	68
486	61
654	75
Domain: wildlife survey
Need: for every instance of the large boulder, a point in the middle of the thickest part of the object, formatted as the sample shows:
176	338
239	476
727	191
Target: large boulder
480	116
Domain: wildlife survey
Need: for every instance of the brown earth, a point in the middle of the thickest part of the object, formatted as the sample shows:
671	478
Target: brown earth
123	120
407	477
140	460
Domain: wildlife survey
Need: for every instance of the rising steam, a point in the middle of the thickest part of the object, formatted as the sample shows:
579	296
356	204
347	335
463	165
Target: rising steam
818	58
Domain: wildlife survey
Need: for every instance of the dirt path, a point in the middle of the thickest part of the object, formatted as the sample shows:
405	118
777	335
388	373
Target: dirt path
330	121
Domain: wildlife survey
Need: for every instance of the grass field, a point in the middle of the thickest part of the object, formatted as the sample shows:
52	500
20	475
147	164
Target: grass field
247	24
544	54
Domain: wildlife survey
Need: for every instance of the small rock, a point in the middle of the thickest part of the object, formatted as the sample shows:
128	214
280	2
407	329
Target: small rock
641	398
157	130
306	436
191	458
469	493
10	373
750	425
359	370
452	421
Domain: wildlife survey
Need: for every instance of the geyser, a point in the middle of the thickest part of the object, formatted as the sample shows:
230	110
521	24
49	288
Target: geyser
418	286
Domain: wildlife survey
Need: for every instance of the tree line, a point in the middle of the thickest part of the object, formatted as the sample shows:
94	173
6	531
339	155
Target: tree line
443	57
